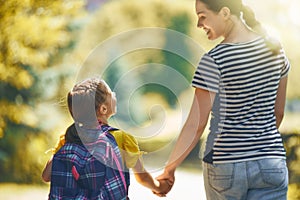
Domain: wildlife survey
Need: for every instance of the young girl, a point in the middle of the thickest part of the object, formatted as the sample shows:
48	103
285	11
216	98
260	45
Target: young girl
242	84
105	106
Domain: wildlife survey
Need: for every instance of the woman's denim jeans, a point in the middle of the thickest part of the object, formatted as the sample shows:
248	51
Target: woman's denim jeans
265	179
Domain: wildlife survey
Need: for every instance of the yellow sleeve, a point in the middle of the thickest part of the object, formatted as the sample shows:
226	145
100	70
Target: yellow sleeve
129	147
132	150
61	141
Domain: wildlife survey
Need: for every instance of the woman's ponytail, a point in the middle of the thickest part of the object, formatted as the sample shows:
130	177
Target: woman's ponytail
255	25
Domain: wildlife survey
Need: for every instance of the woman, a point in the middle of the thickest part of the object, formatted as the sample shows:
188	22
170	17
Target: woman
242	84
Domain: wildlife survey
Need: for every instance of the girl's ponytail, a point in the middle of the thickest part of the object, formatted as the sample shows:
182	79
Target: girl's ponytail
255	25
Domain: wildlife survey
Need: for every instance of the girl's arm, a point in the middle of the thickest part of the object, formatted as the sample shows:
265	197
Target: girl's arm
145	178
46	175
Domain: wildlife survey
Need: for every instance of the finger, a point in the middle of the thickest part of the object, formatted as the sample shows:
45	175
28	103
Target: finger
161	177
170	180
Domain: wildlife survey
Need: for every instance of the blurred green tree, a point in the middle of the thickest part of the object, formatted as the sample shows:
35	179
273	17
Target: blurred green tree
32	34
181	23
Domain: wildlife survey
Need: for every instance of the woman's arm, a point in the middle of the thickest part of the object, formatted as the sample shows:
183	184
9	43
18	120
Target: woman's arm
280	101
190	133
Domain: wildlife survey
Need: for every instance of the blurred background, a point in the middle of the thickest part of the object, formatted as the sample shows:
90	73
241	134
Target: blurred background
46	46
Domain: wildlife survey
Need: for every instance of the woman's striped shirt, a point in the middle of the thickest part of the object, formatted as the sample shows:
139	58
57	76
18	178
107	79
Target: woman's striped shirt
245	78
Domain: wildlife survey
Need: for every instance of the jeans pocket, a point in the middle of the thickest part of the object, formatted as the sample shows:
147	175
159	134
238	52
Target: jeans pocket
273	171
220	176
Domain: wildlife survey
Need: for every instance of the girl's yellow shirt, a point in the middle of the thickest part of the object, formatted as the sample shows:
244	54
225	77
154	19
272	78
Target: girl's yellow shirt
128	146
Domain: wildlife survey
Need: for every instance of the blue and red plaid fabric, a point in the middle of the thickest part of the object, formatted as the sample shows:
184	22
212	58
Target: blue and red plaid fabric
88	172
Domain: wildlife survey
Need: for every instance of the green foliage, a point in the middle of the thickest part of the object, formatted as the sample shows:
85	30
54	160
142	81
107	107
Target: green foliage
293	192
181	23
32	33
129	15
292	146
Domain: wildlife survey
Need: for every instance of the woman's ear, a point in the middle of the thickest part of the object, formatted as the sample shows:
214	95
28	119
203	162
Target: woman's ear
225	12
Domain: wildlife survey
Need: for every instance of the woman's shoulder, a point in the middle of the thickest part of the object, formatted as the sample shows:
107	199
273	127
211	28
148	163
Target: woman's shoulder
223	47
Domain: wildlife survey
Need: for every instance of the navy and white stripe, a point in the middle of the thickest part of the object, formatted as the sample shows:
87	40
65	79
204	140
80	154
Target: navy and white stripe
245	78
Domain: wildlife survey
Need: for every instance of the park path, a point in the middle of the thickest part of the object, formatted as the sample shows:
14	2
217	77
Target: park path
188	186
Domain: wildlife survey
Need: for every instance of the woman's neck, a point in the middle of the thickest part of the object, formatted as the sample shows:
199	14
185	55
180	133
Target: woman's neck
238	32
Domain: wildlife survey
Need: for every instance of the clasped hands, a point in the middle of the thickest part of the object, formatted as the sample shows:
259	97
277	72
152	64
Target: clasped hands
166	182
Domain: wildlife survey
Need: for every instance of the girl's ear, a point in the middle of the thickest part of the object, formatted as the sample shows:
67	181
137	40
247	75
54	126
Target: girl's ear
103	109
225	12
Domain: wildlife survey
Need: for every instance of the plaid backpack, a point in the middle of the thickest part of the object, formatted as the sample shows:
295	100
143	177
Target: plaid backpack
90	171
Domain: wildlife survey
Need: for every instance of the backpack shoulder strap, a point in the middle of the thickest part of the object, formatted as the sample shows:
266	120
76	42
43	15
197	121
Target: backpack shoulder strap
116	156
